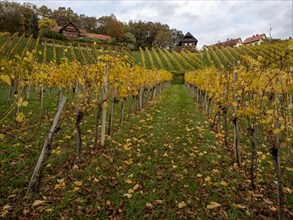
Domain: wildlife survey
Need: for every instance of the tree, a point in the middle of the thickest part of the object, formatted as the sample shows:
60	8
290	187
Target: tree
177	35
90	24
46	23
27	11
142	32
146	32
116	29
64	15
15	17
45	26
163	39
44	11
103	23
34	23
130	41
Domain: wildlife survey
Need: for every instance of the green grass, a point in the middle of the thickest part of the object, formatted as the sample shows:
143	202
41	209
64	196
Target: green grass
161	158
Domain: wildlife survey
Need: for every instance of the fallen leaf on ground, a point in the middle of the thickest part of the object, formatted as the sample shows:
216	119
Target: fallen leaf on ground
181	204
38	202
213	205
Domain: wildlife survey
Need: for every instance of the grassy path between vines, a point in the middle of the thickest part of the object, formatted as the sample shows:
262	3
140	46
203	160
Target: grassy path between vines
158	165
164	163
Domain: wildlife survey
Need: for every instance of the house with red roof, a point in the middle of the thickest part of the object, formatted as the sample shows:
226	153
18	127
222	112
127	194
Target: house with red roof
255	39
71	31
228	43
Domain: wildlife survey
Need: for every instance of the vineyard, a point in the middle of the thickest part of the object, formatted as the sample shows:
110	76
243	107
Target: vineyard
221	58
98	131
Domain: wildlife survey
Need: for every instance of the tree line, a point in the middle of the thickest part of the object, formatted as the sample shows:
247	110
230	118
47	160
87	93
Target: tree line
24	18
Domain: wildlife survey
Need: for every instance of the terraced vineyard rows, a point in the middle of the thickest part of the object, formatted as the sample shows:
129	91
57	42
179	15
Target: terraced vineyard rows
222	58
10	46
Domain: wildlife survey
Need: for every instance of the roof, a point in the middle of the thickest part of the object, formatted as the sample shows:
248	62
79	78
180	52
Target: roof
56	28
98	36
188	35
70	24
228	43
188	38
254	38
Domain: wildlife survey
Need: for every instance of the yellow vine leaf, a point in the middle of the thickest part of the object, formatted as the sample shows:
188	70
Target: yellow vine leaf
38	202
181	204
239	206
105	105
20	117
68	137
135	187
130	191
78	183
5	210
6	79
19	102
128	195
277	131
149	205
129	181
60	184
24	103
223	183
75	189
213	205
127	146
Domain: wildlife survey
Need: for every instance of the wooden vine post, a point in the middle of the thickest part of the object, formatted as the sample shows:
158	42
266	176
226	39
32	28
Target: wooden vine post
98	116
251	134
111	117
225	110
235	119
129	107
140	98
104	105
155	89
42	97
46	148
122	110
78	119
275	152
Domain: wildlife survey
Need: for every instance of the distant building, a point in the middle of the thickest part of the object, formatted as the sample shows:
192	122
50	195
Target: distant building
255	39
71	31
229	43
188	41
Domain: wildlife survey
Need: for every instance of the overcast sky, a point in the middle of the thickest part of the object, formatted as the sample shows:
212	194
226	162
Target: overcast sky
208	21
